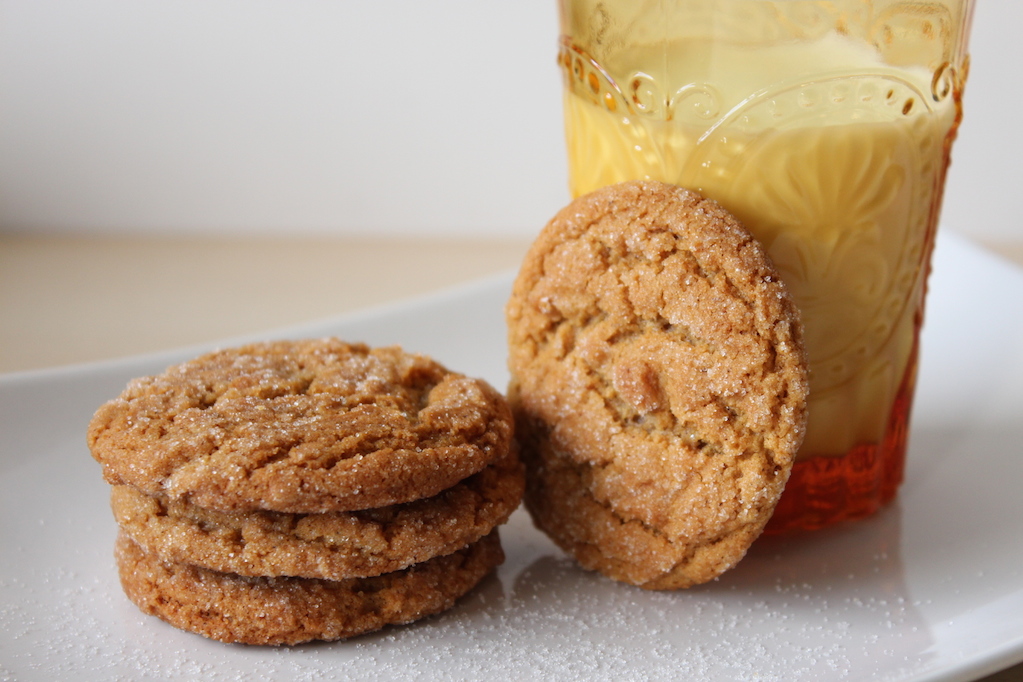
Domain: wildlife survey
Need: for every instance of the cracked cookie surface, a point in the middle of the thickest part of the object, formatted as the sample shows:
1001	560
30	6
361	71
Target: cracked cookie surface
276	610
331	546
302	427
658	383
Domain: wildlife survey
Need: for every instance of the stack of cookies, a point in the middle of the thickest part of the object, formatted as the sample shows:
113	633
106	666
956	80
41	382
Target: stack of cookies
314	490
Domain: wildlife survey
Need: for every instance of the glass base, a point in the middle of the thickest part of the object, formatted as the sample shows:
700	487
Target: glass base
823	491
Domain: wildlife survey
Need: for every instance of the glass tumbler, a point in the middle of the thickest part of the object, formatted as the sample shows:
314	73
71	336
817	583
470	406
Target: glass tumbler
825	126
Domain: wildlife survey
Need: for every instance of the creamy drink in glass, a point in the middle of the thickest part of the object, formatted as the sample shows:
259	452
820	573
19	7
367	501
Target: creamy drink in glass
825	126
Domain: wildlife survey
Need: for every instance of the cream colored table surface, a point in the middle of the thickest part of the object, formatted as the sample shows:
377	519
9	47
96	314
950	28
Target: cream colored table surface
68	299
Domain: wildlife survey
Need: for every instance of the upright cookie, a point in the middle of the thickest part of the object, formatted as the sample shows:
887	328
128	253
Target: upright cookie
237	609
300	427
330	546
658	382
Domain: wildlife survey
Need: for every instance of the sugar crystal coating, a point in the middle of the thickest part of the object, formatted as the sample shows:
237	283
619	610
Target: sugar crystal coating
301	427
330	546
658	381
284	610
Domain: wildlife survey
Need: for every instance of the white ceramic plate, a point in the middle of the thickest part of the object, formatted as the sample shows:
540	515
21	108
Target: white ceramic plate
931	589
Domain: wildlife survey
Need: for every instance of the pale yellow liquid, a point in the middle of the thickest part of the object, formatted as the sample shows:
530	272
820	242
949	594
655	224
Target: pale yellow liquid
839	175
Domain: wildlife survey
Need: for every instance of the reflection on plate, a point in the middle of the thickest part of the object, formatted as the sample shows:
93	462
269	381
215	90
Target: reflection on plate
930	589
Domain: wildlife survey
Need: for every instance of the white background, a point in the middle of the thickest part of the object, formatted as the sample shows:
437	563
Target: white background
331	116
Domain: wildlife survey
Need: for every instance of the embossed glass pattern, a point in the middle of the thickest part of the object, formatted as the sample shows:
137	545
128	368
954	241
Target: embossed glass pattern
826	127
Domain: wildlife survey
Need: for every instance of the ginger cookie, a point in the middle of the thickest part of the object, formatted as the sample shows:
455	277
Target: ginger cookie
302	427
275	610
331	546
658	382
